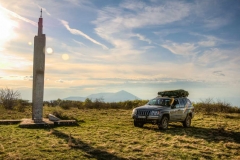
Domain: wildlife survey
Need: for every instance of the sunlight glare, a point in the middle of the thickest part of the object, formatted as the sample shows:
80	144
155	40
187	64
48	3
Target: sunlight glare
65	57
7	27
49	50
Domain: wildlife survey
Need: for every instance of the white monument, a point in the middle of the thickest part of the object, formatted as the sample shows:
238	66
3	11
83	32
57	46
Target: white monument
38	73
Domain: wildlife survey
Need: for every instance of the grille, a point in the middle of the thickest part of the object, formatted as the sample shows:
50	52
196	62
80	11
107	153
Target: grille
143	113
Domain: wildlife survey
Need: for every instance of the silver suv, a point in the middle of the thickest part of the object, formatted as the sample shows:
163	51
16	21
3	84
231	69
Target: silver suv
162	110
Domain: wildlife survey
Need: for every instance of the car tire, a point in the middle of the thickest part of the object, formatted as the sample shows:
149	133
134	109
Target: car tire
187	121
138	124
163	125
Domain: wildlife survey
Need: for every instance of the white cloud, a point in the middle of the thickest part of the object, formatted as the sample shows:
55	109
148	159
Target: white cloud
116	24
79	3
80	43
180	49
78	32
216	22
211	56
209	40
7	30
142	38
154	14
44	9
15	15
164	32
207	43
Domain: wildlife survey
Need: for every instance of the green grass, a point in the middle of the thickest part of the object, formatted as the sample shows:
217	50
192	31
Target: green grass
109	134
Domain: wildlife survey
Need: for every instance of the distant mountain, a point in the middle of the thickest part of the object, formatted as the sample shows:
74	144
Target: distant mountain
107	97
99	96
75	98
121	96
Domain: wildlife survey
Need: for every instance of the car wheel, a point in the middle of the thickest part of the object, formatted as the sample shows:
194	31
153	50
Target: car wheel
187	121
163	123
138	124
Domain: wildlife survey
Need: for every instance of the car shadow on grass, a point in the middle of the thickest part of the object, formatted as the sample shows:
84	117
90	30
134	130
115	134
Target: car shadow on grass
209	134
90	151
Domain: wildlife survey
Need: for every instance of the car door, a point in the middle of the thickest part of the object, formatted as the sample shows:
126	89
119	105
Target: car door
182	110
174	110
178	106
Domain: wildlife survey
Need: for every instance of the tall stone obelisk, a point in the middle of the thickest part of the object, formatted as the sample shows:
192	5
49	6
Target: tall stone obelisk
38	73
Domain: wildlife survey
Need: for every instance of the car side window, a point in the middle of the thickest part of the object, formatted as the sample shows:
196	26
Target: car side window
182	103
158	102
176	103
188	103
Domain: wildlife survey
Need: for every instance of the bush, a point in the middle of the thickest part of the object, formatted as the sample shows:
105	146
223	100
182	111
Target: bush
210	107
8	98
88	103
96	104
65	104
60	114
22	104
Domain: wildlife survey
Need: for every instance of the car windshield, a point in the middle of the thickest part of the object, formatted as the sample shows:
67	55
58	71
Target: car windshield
159	102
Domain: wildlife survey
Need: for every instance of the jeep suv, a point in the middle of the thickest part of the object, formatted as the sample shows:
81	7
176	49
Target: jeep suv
162	110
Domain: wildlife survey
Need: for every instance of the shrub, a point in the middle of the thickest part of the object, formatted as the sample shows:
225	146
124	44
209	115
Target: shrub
8	97
65	104
210	107
61	114
22	104
88	103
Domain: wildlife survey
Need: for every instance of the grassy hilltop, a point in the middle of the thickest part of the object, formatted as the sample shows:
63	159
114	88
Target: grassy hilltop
109	134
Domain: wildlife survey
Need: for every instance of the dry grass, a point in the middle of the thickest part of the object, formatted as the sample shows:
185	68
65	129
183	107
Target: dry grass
109	134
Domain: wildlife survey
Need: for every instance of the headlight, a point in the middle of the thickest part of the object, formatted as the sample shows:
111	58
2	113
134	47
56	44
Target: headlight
154	113
134	111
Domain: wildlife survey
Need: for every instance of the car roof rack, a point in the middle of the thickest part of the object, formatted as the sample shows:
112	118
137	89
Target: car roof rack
174	93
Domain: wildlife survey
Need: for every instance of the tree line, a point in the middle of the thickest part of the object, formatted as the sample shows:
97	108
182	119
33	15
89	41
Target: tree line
10	99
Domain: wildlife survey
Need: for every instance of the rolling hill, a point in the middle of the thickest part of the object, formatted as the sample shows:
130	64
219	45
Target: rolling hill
107	97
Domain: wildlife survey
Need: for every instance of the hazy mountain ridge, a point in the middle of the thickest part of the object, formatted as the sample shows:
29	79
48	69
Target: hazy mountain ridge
106	97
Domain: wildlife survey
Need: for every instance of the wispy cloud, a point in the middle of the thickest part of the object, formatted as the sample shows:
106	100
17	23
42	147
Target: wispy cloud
13	14
208	43
154	14
211	56
80	43
214	23
208	40
180	49
142	38
79	2
78	32
44	9
116	25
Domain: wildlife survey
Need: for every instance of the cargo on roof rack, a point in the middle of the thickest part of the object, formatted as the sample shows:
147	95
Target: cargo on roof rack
174	93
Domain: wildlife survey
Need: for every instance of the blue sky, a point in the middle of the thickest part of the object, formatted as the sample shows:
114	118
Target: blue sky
139	46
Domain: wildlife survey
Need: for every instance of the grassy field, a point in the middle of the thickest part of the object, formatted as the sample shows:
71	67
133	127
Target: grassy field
109	134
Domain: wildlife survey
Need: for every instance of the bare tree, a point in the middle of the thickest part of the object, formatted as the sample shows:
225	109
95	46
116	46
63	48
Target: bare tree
8	97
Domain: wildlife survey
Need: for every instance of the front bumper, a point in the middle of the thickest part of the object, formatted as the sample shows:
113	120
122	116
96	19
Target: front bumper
147	119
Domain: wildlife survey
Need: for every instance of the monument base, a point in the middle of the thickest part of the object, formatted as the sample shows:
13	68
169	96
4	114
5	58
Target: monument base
45	122
37	120
10	121
29	123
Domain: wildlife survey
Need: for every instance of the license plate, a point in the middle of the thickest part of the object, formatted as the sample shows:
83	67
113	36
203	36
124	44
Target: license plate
141	116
